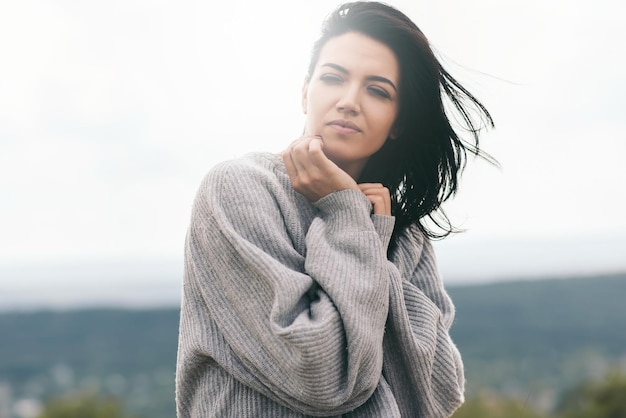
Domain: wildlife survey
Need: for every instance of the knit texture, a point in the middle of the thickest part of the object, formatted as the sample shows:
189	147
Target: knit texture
292	309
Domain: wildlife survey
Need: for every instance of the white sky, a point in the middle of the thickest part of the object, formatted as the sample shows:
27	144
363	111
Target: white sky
112	111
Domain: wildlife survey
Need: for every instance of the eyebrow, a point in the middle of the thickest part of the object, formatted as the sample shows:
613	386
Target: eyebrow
370	78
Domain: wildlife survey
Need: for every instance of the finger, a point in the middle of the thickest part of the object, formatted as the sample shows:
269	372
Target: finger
292	171
316	153
300	155
316	144
375	188
386	199
384	194
378	204
370	186
289	158
381	198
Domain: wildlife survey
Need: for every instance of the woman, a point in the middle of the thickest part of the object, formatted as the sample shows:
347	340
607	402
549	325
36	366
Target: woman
310	282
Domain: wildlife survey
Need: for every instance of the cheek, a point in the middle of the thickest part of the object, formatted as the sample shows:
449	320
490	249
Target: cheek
384	121
392	118
316	109
313	116
317	99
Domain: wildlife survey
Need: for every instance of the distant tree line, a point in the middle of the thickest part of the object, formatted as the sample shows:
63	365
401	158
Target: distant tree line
514	338
601	399
605	398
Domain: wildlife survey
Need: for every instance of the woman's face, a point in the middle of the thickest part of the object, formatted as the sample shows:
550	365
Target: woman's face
351	99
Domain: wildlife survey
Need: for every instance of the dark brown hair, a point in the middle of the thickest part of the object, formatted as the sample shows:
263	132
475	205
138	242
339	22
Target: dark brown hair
421	166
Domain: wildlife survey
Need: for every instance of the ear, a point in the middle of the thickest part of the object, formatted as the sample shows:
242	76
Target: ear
394	132
305	89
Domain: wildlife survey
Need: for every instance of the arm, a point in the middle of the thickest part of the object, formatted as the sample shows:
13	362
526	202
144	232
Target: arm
422	354
419	353
305	331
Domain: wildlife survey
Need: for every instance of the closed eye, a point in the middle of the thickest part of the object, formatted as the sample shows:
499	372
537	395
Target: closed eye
379	91
331	78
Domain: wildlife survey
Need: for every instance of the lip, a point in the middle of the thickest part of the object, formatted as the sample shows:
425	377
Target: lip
344	126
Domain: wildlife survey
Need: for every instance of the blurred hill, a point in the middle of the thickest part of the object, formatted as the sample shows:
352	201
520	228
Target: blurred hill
536	339
529	339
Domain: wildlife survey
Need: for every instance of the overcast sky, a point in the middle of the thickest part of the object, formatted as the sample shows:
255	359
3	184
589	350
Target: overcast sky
112	111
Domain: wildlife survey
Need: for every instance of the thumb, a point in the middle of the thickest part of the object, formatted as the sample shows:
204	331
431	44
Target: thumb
316	151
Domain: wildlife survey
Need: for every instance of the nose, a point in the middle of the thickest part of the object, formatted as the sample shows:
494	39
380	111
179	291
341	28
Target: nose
349	101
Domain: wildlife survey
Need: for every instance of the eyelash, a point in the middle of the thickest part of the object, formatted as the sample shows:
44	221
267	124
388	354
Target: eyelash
335	79
379	92
331	78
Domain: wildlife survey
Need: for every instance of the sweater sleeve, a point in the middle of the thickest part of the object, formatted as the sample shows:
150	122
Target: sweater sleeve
422	361
304	329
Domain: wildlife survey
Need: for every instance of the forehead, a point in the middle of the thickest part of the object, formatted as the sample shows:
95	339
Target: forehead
359	53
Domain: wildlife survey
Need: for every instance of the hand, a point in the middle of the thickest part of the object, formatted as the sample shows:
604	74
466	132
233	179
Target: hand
379	196
311	172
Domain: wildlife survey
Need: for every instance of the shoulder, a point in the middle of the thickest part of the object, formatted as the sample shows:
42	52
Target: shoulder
251	173
412	240
249	168
253	180
410	246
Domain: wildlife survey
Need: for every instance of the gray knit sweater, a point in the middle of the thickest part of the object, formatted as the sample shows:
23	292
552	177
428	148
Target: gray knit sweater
292	309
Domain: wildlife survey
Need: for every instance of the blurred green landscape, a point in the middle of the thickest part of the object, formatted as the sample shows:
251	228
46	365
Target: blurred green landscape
531	349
